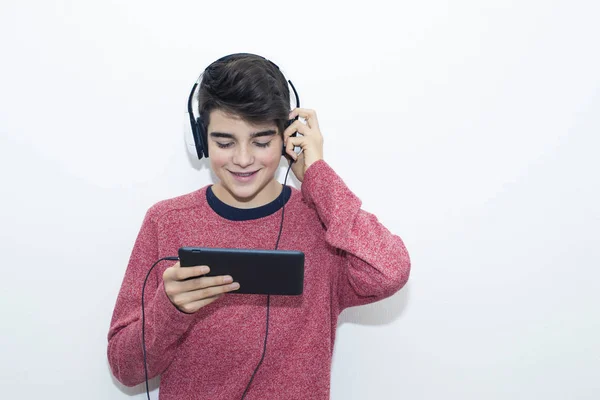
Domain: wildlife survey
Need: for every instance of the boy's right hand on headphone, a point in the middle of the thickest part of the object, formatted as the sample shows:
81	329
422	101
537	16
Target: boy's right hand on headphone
189	290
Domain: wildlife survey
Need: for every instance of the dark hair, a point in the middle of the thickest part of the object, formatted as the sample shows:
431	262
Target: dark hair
247	86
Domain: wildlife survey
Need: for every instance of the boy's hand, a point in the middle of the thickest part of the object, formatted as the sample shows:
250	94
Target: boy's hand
311	141
189	291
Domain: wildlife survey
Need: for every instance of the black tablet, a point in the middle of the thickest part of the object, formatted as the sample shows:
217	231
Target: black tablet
279	272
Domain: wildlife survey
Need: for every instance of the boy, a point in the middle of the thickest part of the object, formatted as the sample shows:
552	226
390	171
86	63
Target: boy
208	345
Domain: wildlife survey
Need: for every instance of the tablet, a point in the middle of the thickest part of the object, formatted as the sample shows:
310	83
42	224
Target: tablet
278	272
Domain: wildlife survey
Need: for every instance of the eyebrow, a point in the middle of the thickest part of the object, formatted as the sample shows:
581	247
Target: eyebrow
269	132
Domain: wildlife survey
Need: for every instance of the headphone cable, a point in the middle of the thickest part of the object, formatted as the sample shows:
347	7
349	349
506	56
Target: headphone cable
144	320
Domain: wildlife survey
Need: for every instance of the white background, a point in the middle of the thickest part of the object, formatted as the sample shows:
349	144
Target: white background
470	128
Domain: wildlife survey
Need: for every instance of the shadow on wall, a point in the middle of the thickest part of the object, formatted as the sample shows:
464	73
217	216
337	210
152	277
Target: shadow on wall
153	384
383	312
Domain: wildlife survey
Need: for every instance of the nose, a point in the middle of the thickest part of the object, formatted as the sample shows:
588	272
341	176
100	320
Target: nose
243	156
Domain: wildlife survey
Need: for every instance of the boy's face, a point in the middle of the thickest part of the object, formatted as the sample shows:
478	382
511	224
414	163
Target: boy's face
245	158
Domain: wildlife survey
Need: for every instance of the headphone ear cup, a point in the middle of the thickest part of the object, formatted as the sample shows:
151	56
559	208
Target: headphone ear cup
287	124
199	132
202	136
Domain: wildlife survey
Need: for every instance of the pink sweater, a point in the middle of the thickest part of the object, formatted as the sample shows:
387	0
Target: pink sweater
350	259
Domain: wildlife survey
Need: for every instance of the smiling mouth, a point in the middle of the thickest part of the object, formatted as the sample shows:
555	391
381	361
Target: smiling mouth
243	174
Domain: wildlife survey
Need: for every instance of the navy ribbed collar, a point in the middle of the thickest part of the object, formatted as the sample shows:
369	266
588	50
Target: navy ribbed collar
244	214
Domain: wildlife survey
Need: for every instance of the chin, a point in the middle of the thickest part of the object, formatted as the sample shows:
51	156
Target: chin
244	193
247	192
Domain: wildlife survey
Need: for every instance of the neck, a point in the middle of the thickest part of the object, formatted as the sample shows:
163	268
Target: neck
264	196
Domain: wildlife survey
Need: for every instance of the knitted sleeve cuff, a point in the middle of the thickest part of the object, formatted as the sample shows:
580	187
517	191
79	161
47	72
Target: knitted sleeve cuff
167	316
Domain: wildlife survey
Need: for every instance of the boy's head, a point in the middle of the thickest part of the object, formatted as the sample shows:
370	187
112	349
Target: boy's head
247	86
244	102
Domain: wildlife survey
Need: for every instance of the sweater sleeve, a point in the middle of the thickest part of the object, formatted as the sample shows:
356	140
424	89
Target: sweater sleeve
164	323
375	263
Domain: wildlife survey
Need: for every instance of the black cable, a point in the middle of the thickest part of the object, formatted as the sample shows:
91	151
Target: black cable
269	296
282	207
144	320
264	349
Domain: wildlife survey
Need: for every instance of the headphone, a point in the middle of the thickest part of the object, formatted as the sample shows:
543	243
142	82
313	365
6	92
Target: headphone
197	144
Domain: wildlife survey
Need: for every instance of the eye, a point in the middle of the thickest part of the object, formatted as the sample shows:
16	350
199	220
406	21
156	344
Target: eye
224	145
263	145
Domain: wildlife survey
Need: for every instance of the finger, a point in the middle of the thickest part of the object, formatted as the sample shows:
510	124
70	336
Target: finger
196	305
292	142
178	273
298	161
296	126
204	282
201	294
308	114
